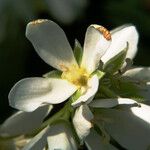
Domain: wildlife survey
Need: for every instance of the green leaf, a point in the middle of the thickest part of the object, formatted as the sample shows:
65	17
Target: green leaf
78	51
53	74
115	63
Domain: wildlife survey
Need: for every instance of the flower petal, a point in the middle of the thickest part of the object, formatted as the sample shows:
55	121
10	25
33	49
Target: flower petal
96	142
129	126
81	121
89	94
50	42
108	103
120	37
95	46
39	141
139	73
30	93
61	137
142	112
25	122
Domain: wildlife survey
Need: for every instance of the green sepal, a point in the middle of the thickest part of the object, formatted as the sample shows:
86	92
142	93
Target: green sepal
53	74
115	63
78	51
76	95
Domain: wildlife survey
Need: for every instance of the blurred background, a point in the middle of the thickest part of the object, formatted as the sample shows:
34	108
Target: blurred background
17	56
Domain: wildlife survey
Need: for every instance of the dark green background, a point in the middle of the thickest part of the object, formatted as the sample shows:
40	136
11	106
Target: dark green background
17	56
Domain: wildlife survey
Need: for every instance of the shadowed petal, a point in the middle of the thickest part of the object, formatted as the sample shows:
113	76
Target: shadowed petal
108	103
39	141
81	121
61	138
24	122
139	73
129	126
95	142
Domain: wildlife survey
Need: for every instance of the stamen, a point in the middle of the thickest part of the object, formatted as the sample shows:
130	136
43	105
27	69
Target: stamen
38	21
78	76
105	33
64	68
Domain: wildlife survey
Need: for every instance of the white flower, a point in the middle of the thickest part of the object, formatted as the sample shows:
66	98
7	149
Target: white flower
128	123
51	44
120	37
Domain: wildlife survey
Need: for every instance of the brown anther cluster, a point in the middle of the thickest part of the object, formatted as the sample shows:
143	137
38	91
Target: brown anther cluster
38	21
63	68
105	33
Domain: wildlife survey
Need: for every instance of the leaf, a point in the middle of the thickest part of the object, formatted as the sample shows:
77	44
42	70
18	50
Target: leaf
53	74
115	63
78	51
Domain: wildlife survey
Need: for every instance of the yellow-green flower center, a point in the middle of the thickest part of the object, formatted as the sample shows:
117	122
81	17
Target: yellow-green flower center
76	75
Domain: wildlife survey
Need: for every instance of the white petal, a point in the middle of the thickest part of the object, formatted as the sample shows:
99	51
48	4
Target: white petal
120	37
143	112
108	103
129	126
50	42
96	142
39	141
61	138
24	122
139	73
81	121
30	93
90	93
95	46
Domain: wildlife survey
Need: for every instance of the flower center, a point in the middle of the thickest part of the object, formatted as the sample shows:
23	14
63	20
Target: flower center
76	75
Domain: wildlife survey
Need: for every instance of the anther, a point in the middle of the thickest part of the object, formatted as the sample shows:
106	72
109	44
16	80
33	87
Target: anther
105	32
